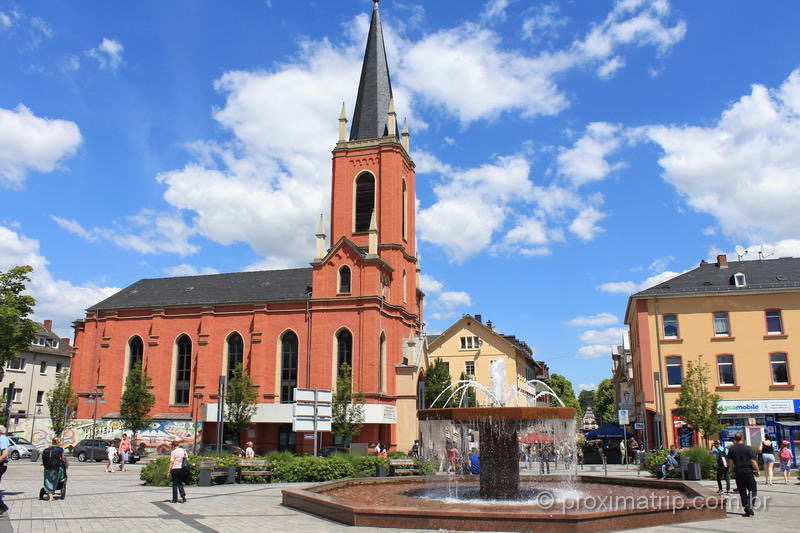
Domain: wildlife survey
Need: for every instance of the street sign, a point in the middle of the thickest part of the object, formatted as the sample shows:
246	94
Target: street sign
624	418
312	412
638	426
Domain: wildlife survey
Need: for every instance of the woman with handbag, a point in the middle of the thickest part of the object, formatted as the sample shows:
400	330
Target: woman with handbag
178	467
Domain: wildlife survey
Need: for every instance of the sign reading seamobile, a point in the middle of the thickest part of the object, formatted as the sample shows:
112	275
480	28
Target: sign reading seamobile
734	407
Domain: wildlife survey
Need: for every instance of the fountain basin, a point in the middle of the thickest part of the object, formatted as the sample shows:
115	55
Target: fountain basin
619	503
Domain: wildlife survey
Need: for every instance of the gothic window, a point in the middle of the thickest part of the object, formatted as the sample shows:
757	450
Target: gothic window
183	369
289	345
344	279
405	210
135	352
235	352
344	348
382	362
365	201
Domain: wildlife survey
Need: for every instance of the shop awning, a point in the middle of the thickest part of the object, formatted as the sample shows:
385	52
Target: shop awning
606	431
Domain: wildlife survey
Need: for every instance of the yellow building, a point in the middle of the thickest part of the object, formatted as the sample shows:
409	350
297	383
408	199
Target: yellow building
743	318
469	346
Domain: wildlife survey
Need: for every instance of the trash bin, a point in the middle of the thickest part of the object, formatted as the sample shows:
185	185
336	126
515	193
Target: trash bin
690	471
382	471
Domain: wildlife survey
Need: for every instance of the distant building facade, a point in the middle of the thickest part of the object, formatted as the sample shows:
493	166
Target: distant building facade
33	373
744	318
588	422
469	346
622	375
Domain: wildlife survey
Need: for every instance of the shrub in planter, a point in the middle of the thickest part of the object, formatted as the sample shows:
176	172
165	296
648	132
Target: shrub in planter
655	460
426	467
704	458
309	468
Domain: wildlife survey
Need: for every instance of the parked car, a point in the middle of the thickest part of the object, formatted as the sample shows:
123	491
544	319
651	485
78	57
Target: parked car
202	449
330	450
95	450
22	447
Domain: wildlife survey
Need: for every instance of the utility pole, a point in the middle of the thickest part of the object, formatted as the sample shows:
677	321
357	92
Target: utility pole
220	412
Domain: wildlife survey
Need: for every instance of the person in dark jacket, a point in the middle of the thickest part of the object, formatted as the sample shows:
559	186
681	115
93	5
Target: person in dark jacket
742	462
721	466
54	467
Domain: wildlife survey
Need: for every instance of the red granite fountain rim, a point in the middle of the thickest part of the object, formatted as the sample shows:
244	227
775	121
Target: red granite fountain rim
708	500
497	413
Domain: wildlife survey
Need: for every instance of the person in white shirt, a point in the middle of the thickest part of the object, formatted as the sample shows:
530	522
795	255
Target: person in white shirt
177	472
111	452
249	453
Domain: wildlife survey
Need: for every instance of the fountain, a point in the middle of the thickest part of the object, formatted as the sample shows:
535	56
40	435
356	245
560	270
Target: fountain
501	499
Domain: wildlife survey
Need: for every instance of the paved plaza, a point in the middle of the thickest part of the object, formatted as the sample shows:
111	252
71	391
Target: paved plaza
100	502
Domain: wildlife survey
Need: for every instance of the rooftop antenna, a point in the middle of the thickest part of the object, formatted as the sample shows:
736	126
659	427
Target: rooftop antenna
740	251
761	254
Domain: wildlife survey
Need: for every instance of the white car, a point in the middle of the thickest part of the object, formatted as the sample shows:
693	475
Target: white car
22	447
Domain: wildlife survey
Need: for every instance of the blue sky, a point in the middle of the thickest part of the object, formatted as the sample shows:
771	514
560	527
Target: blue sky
568	153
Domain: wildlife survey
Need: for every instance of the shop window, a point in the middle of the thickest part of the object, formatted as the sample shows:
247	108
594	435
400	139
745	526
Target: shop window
779	364
674	371
726	371
670	326
722	326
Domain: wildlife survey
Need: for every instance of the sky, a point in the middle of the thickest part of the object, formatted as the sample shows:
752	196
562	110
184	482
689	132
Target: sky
568	153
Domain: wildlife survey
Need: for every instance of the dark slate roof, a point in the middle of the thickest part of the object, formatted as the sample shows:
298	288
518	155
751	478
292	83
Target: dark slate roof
761	275
375	87
64	348
431	338
259	286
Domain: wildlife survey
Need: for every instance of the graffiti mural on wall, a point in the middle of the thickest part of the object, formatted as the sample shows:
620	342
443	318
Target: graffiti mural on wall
157	438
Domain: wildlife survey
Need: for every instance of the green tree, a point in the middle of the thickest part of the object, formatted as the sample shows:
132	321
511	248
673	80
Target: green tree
437	379
698	405
17	331
466	398
240	401
586	399
348	408
62	404
604	407
137	401
563	389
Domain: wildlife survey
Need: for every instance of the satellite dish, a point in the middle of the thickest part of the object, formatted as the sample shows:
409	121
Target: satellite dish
740	251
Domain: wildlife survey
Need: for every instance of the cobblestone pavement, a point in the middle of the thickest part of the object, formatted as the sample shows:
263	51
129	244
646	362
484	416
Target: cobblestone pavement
97	501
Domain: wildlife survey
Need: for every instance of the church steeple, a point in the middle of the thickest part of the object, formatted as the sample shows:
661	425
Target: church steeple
375	88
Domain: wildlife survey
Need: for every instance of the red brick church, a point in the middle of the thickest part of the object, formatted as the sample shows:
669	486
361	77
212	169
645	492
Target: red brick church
359	302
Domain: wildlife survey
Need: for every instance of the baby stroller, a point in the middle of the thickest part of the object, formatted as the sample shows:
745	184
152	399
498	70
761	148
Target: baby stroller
61	486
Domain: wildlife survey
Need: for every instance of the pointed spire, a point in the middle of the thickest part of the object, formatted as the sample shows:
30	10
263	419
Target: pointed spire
321	251
375	88
406	139
391	119
372	248
343	125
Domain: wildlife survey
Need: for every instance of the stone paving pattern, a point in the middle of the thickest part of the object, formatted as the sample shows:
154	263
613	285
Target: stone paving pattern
102	502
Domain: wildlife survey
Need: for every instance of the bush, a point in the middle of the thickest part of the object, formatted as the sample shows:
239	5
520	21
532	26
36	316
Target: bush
655	460
309	468
704	458
426	467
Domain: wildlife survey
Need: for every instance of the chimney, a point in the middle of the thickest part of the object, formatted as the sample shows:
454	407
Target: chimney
48	325
479	318
703	262
490	325
722	261
64	342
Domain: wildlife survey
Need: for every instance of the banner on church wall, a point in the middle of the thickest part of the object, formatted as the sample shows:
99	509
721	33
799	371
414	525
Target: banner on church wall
157	438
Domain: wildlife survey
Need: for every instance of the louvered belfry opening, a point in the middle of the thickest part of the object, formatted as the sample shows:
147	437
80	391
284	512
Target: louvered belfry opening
365	201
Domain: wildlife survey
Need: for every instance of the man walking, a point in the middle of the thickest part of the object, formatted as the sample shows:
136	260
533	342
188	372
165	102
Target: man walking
742	462
4	445
124	449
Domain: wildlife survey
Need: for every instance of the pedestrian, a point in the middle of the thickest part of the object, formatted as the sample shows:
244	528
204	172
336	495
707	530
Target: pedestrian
124	450
249	453
452	459
633	450
742	462
767	449
414	453
54	467
785	456
111	453
580	455
721	466
178	469
475	462
4	446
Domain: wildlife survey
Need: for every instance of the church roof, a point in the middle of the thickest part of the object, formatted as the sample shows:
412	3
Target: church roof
375	87
238	287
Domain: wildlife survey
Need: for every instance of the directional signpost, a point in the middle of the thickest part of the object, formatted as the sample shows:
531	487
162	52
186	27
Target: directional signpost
624	420
312	411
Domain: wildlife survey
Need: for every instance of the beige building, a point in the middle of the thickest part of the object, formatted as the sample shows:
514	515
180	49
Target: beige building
33	373
743	318
470	346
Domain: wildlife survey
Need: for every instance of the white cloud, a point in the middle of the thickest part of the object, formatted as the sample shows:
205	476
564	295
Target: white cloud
585	224
147	232
188	270
108	54
629	287
495	10
587	386
598	320
744	169
612	336
660	264
594	351
709	231
609	68
541	22
72	64
430	285
5	21
28	142
453	299
586	160
57	300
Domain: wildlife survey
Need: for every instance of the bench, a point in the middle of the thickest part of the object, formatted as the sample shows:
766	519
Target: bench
403	466
260	466
210	469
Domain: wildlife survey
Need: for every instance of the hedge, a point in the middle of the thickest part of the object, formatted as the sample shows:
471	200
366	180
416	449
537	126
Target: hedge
703	457
285	468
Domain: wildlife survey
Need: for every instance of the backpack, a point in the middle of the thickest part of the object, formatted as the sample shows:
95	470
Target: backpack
50	458
786	454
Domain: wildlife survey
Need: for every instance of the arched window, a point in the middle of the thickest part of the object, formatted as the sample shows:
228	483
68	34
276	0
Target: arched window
289	346
135	352
365	201
382	362
183	369
405	287
405	209
235	352
344	279
344	348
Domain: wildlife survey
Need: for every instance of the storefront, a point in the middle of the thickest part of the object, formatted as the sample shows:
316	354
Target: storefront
767	414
